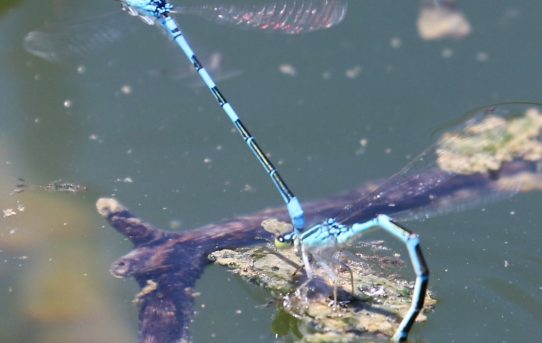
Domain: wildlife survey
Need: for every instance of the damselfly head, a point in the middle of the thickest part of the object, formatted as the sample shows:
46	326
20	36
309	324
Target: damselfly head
283	232
284	241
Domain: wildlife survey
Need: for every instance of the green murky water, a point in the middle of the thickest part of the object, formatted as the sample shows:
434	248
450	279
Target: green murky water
129	113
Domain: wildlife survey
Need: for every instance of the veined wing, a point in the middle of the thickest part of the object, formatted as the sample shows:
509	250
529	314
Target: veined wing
494	154
286	16
60	42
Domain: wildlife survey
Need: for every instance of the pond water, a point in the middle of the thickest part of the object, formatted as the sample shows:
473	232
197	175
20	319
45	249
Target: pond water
334	108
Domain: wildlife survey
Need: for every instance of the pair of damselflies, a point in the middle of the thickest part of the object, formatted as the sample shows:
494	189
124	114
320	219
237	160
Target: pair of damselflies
439	186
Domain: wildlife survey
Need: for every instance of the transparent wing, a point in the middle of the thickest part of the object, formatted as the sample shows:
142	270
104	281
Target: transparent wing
286	16
493	154
63	41
60	42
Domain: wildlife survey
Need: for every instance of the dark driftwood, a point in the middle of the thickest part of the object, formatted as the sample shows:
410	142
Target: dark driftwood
166	265
175	261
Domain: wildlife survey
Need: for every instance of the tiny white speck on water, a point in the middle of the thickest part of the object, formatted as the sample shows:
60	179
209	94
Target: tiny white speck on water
287	69
387	151
68	103
218	147
512	213
396	42
81	69
506	264
482	56
326	75
12	231
247	188
10	290
126	89
207	160
362	146
353	72
202	305
94	137
447	53
37	120
238	311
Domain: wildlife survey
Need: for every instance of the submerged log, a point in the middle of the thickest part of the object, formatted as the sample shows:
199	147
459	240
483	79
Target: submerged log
166	264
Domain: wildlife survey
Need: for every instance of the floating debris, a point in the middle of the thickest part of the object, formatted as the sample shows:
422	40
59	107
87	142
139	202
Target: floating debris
8	212
354	72
55	186
126	90
287	69
442	21
127	179
362	146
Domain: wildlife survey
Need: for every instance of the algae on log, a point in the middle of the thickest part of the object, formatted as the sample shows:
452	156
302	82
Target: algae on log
486	145
373	312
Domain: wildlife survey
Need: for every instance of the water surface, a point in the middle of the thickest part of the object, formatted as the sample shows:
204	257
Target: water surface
309	100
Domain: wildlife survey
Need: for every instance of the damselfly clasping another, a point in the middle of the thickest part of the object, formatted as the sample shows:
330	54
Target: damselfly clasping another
495	153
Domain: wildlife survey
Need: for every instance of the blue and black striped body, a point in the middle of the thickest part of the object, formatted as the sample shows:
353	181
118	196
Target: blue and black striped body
159	11
329	234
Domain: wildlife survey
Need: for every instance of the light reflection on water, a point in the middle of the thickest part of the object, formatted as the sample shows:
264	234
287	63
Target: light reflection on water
310	100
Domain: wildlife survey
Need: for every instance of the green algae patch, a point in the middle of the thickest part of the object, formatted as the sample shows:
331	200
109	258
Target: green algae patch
491	142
